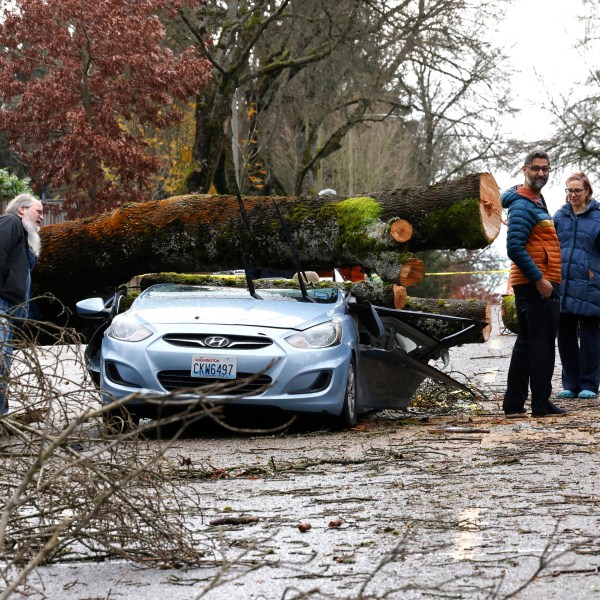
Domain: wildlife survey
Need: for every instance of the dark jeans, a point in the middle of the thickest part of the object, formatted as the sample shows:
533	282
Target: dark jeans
6	350
532	361
579	348
7	310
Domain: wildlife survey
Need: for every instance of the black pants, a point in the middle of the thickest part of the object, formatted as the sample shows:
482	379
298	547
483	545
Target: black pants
579	347
532	361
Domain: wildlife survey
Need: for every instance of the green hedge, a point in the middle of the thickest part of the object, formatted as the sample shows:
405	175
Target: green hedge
11	185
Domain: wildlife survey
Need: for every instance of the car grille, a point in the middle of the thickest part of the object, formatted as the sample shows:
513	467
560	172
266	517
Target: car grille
173	380
239	342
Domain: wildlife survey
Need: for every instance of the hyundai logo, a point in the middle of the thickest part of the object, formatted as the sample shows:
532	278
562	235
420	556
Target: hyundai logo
216	341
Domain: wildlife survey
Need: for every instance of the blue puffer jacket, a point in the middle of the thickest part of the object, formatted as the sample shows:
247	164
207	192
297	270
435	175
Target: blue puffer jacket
579	237
531	242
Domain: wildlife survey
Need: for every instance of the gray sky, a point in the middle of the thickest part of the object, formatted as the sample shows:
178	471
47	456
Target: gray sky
541	35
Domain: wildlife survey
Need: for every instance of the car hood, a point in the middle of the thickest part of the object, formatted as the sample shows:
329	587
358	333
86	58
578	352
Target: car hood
264	313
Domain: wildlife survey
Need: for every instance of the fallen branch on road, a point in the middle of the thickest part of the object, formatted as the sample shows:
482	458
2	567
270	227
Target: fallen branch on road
75	489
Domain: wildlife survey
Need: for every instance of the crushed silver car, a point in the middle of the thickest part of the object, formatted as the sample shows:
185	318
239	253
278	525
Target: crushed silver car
316	351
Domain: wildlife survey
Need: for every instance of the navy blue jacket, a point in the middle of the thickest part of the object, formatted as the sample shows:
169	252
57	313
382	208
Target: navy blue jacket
14	259
579	237
531	242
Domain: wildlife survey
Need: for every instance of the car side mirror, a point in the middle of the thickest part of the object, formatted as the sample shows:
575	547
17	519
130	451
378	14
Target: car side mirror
91	308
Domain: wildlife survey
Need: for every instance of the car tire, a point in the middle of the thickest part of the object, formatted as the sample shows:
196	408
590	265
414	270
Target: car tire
348	417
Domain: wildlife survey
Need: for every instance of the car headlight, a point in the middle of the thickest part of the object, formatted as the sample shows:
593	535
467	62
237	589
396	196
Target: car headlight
320	336
127	330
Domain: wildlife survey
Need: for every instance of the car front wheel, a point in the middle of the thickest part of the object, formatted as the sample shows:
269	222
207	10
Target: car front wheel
347	417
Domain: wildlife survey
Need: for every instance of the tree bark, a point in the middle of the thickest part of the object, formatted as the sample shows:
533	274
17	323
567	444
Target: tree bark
458	307
198	233
471	309
460	213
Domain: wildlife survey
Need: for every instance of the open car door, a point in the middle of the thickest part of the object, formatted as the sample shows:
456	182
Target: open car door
394	353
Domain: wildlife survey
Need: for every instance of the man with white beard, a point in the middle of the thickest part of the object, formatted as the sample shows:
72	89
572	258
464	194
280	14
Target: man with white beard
19	248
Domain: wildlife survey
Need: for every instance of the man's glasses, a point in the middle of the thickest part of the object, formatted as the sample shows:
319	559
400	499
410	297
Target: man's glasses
537	169
37	210
573	191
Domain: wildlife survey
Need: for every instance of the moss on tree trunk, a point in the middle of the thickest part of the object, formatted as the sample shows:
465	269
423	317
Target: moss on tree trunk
204	233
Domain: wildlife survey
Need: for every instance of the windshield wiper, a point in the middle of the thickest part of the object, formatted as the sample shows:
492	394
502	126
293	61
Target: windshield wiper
299	269
245	262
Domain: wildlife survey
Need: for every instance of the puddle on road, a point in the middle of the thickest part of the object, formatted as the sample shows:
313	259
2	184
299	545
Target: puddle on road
467	539
494	343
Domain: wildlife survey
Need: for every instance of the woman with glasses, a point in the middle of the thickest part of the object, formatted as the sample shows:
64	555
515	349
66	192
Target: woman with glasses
578	227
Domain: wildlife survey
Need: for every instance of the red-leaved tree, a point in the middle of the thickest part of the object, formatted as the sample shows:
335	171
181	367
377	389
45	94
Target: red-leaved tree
74	76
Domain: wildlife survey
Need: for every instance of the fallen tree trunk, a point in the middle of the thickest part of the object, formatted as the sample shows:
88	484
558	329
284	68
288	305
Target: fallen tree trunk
470	308
442	215
379	294
205	233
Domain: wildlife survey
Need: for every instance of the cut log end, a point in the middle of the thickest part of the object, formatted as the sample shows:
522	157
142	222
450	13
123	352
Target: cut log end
399	296
401	230
487	330
508	313
490	206
412	272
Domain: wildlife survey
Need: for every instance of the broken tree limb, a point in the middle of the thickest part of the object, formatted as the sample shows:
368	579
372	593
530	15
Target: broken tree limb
459	430
379	294
198	233
244	520
470	308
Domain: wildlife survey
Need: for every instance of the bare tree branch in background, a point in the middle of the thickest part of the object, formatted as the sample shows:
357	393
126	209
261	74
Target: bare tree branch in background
575	140
308	73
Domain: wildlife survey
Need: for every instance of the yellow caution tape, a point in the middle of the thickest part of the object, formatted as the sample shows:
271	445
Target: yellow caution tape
471	272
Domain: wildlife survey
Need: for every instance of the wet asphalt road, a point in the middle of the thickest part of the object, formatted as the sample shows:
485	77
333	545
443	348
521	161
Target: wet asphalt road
469	505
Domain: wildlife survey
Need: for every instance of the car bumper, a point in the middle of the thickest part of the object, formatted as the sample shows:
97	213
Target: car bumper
300	380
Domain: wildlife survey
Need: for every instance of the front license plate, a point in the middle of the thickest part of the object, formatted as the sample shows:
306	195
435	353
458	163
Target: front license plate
215	367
